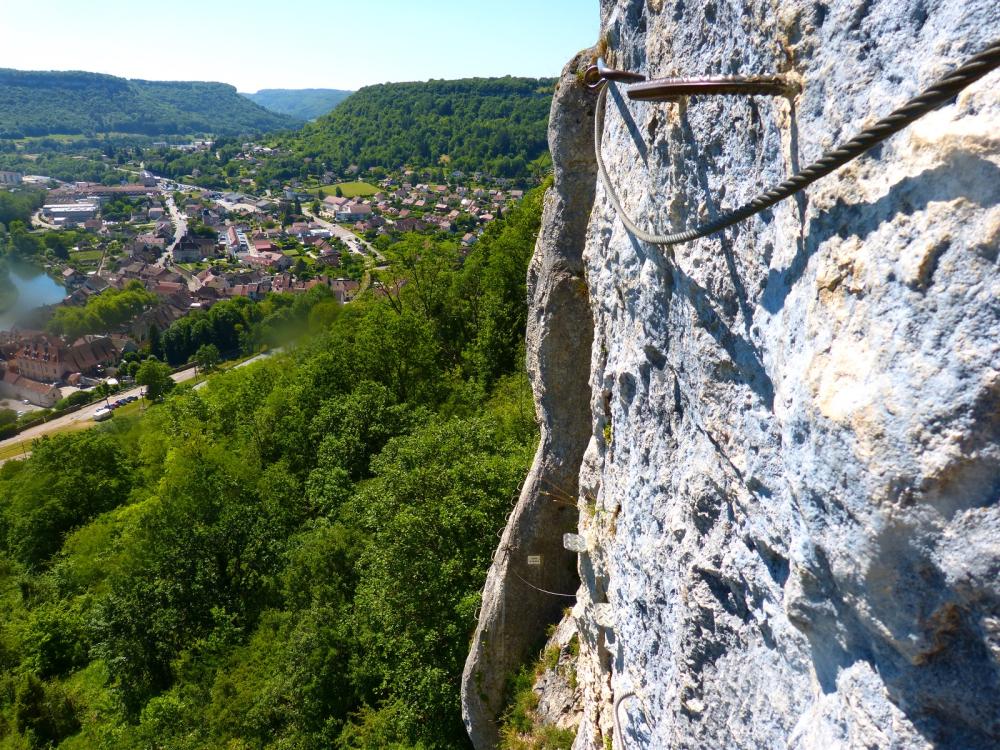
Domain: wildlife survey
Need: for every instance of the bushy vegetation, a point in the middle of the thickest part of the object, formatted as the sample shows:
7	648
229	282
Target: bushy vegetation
239	326
42	103
103	312
495	125
19	205
290	557
520	726
302	104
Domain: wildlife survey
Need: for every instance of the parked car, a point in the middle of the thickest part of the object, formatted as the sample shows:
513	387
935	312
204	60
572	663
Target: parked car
101	414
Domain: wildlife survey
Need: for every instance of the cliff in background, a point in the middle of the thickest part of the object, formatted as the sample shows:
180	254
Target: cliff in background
789	528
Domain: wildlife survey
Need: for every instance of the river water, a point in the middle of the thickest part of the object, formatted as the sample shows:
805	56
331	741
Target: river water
35	288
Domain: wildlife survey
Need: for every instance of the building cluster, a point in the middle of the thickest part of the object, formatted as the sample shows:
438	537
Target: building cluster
241	240
35	364
79	204
406	207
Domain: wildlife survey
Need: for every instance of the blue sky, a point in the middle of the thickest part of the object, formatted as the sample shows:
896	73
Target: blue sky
256	44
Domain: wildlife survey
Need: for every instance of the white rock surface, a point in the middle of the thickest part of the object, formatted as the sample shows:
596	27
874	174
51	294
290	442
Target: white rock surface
790	498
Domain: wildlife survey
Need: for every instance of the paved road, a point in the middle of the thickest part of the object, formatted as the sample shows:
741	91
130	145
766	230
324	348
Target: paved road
37	222
354	243
87	413
180	226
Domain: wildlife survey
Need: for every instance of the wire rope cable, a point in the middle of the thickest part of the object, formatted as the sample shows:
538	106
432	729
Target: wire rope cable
536	588
930	99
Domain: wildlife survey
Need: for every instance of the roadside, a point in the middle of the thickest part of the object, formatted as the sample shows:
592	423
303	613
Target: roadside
37	222
354	243
20	446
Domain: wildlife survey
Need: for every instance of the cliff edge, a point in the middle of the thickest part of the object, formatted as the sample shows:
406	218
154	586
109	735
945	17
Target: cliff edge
789	507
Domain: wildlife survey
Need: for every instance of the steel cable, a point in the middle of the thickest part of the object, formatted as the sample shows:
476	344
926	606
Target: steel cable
933	97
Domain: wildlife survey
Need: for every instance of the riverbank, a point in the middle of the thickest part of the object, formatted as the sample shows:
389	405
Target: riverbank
9	293
31	288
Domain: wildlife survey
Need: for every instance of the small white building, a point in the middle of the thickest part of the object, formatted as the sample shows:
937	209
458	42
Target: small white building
354	212
70	213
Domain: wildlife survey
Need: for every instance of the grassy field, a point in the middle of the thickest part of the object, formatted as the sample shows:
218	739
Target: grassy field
86	255
349	189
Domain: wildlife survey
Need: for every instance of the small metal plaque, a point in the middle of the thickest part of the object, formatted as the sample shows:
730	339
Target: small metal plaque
534	559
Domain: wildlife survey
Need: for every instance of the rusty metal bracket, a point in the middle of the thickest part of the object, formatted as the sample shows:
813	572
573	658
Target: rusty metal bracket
670	89
596	75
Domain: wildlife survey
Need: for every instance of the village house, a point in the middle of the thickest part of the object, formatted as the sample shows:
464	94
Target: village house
334	202
268	260
47	359
95	283
21	388
343	290
255	292
299	229
354	211
71	278
192	249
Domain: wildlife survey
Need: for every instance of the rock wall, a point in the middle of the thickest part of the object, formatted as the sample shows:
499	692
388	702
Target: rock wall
530	561
790	503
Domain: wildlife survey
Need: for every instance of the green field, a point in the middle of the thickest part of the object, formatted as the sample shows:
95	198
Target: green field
349	189
86	255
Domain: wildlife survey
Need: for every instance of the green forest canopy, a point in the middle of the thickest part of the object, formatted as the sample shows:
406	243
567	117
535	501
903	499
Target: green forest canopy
495	125
302	104
43	103
290	557
103	312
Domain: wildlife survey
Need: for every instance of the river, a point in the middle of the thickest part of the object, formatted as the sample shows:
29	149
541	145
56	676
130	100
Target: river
35	289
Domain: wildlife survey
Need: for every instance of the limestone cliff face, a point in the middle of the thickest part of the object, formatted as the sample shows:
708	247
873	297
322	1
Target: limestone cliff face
530	560
792	493
789	509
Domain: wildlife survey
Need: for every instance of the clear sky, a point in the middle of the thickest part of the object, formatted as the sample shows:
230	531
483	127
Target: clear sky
255	44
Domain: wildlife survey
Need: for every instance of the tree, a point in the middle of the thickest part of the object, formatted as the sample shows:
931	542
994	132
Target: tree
23	242
155	347
156	377
339	192
207	357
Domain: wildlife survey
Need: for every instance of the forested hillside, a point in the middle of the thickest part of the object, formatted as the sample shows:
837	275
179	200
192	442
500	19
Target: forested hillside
290	557
43	103
302	104
497	125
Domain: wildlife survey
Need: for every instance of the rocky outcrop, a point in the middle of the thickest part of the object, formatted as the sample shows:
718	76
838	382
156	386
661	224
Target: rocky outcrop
790	504
531	572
